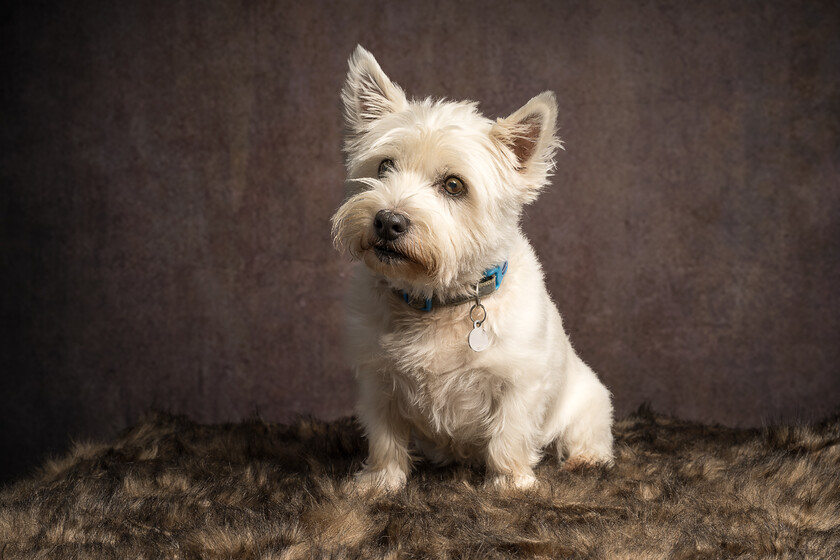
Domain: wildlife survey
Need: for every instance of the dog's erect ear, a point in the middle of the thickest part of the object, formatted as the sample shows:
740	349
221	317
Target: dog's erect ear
529	135
368	93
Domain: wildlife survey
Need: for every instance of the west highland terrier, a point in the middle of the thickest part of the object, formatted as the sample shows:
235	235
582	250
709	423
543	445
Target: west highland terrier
459	351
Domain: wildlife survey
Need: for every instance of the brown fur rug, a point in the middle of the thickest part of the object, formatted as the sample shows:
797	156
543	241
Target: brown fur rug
170	488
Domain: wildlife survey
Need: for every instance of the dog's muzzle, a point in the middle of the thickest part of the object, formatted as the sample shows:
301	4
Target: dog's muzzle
389	228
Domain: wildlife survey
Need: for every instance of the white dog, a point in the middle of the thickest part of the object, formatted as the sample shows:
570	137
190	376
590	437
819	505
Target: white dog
459	350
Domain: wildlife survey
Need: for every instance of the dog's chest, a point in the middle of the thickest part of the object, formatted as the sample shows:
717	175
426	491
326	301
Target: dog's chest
423	346
438	380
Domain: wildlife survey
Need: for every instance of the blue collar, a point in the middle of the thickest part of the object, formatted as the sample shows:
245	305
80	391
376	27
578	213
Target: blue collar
487	285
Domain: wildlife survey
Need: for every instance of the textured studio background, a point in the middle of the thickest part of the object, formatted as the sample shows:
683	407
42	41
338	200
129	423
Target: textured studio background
168	170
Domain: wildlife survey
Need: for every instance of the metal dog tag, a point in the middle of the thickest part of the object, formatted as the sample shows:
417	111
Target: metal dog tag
479	341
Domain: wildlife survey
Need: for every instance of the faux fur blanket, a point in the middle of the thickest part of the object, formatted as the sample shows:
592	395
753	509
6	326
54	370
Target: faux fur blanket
170	488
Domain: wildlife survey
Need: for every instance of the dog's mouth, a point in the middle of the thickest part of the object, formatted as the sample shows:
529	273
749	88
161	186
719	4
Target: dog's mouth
401	259
389	254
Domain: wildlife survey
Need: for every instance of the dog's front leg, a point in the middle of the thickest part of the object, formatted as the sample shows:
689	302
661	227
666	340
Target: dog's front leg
512	450
388	434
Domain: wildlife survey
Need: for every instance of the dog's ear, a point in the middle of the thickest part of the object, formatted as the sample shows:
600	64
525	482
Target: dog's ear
529	136
368	93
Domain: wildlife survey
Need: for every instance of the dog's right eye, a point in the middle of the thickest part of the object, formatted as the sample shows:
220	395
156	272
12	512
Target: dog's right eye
453	186
385	167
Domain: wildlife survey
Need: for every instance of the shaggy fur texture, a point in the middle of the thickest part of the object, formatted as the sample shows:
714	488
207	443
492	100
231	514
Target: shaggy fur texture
451	184
170	488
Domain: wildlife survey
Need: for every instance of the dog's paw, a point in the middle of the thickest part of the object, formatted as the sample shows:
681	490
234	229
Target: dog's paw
369	481
579	462
511	481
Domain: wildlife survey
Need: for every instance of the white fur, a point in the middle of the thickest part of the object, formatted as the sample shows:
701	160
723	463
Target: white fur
421	386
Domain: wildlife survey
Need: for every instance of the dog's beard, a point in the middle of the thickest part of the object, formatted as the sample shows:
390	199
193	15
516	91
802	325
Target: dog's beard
403	258
389	253
411	258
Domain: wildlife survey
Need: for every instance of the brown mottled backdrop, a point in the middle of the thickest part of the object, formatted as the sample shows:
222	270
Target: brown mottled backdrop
169	168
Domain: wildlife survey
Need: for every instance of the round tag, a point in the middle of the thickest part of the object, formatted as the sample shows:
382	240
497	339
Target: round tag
479	341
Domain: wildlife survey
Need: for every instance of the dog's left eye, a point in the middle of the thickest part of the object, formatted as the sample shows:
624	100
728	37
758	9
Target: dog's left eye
385	167
453	186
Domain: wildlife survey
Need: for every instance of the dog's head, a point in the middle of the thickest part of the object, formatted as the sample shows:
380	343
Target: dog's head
434	189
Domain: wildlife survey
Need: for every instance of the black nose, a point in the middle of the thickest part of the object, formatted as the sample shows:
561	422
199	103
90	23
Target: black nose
389	225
